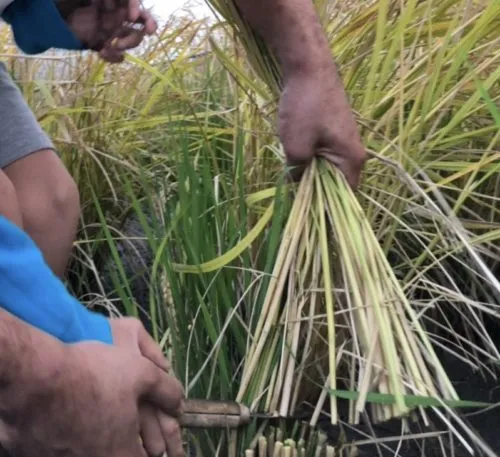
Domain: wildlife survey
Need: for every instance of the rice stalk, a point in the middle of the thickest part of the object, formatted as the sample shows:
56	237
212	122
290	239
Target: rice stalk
310	443
387	351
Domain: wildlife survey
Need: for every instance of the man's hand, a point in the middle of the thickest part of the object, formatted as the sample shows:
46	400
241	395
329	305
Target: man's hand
77	400
315	116
110	27
316	120
160	432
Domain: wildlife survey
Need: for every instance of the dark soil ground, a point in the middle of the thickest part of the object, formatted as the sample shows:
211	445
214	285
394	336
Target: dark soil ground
469	386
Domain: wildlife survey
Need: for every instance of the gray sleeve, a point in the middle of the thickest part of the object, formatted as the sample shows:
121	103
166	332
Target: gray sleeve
20	132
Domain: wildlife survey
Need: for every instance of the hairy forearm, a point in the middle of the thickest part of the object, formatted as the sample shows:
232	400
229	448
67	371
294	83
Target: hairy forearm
292	30
16	348
28	361
315	117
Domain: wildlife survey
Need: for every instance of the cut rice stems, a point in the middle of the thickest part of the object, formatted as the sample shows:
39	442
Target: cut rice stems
329	258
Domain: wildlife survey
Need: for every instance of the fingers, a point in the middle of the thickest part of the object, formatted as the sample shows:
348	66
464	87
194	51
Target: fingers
95	28
134	10
347	153
111	26
299	150
136	15
151	350
110	22
352	169
136	451
111	56
147	19
127	38
343	150
130	332
114	50
151	431
161	389
172	435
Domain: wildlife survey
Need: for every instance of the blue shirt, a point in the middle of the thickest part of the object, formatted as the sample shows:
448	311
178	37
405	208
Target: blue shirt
28	287
37	26
33	293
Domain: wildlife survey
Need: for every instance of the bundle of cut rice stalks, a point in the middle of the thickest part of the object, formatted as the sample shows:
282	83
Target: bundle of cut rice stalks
330	262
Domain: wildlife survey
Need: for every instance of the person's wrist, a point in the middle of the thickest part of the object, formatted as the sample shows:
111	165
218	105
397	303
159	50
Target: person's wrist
311	56
96	327
312	66
34	384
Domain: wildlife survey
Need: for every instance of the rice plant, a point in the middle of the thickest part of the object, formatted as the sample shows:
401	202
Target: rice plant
196	141
380	317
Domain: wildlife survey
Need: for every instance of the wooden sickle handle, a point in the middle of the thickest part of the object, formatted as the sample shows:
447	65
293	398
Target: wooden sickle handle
214	414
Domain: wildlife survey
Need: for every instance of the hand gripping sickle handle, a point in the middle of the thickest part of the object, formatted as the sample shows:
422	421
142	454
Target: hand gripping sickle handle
214	414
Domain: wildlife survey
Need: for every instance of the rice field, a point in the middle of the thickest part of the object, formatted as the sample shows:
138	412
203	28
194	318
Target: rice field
365	321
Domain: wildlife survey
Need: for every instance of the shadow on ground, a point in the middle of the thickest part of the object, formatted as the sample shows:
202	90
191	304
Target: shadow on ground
470	386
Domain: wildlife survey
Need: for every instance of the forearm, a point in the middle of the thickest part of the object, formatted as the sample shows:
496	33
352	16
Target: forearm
29	359
315	117
9	206
292	30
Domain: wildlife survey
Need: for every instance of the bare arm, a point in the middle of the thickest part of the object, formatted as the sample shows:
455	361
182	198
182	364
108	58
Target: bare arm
28	358
79	399
292	30
315	116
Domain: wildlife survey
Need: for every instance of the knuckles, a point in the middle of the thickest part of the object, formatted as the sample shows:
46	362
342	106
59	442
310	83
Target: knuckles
178	395
171	429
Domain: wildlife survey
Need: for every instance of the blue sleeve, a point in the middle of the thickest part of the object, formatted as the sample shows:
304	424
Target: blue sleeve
30	291
37	26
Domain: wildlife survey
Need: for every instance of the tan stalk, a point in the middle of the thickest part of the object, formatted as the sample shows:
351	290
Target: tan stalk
310	327
290	315
273	303
270	442
328	300
263	443
290	372
278	446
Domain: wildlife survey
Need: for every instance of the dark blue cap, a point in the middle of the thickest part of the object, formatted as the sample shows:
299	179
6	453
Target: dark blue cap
38	26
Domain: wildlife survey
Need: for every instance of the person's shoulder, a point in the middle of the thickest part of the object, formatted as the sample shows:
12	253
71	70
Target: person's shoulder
38	26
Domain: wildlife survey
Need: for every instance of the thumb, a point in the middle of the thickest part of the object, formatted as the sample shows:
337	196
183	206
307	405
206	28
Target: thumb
158	387
134	10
